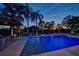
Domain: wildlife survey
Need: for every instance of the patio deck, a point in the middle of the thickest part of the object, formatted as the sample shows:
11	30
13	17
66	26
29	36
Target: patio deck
14	49
71	51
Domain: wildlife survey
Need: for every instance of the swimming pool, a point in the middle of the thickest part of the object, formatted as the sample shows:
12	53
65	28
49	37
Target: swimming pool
41	44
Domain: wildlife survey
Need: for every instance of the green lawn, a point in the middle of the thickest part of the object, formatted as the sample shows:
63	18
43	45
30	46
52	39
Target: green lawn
75	34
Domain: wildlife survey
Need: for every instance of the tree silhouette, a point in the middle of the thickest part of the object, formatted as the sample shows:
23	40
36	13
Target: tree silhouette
71	22
35	17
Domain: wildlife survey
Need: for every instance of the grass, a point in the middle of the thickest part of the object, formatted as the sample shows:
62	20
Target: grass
24	33
76	33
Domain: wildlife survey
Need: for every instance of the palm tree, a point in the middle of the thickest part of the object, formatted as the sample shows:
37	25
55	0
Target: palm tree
59	27
25	10
1	13
71	22
19	11
52	23
47	27
35	17
47	24
41	23
27	13
14	12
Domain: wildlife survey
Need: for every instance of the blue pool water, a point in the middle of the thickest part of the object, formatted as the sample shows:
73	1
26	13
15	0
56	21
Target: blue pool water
41	44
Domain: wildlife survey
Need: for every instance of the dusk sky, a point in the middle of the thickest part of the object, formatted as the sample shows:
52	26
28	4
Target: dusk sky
54	11
57	11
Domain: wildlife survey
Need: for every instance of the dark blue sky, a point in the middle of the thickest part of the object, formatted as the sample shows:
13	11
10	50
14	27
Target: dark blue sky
57	11
54	11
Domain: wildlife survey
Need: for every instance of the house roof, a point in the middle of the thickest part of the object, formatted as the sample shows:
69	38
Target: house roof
9	22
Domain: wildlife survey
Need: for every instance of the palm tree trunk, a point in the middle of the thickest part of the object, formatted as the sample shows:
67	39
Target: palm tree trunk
36	26
19	31
28	26
27	23
12	34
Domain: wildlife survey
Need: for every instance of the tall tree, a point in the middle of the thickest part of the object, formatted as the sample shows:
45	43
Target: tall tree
41	23
52	23
35	17
71	22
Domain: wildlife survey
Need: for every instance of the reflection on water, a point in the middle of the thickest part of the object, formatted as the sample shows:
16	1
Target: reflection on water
36	45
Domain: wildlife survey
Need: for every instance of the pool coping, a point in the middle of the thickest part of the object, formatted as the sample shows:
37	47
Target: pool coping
63	52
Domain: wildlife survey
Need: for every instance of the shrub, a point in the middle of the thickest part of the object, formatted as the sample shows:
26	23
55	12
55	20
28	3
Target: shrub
76	31
24	33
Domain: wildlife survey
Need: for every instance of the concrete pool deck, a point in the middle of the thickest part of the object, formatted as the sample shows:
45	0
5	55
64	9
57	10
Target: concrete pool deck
16	48
71	51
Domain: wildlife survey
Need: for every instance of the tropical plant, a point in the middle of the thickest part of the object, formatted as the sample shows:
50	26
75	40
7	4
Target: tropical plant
41	23
72	22
35	17
52	24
